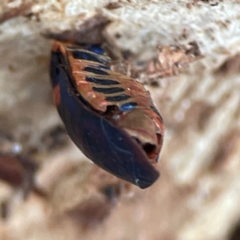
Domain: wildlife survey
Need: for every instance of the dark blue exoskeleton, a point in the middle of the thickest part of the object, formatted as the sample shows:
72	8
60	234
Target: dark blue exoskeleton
108	115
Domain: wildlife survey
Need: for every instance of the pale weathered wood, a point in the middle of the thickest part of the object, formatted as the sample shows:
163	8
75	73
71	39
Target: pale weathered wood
197	196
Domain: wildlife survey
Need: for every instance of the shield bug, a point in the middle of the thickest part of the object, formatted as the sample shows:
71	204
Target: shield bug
108	115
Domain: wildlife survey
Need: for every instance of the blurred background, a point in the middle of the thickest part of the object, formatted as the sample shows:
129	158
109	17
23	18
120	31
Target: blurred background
187	54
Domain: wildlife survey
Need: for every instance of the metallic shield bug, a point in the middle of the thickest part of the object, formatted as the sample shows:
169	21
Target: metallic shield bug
108	115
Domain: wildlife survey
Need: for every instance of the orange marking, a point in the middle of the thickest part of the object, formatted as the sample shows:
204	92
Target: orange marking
58	46
57	95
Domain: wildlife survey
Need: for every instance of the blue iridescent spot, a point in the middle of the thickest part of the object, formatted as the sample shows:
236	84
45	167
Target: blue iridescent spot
101	67
95	48
128	106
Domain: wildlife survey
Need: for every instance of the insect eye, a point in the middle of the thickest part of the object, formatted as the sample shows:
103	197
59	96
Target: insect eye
148	148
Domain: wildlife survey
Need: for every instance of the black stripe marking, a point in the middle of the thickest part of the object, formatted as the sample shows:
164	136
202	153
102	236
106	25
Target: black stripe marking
87	56
109	90
101	67
101	81
118	98
95	70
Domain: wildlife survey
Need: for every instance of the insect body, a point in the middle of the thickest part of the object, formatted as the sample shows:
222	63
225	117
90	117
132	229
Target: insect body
108	115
